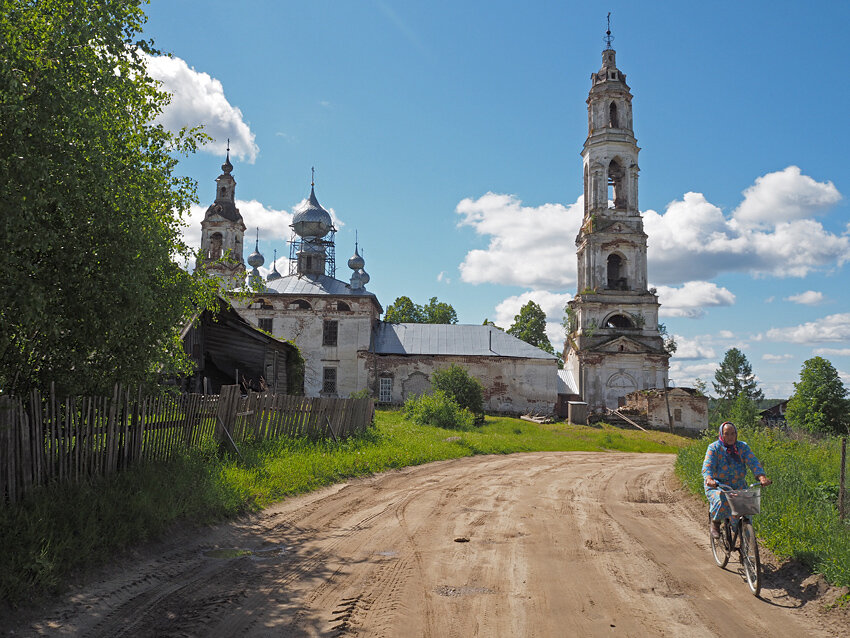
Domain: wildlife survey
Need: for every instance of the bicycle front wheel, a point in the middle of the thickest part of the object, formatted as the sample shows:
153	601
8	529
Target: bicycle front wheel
720	546
750	557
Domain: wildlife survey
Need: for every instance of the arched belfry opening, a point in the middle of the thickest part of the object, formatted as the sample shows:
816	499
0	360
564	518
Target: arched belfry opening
613	122
617	185
215	246
619	321
617	279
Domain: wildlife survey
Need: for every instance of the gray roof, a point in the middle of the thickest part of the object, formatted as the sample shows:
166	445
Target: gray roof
314	285
566	382
452	339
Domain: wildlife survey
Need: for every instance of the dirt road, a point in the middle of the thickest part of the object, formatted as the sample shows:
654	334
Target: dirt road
542	544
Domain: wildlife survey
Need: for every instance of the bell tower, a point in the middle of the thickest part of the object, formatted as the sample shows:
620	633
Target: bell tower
222	233
614	346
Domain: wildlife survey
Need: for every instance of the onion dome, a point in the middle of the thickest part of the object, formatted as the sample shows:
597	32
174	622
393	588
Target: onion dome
356	262
255	259
311	220
274	275
227	167
364	277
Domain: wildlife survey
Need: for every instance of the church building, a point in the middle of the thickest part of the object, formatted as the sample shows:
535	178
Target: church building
614	345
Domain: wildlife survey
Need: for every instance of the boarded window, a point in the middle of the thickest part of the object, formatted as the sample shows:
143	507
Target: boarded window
329	381
329	332
266	323
677	414
386	390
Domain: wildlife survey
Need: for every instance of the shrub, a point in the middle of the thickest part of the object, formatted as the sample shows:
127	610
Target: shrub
457	383
438	409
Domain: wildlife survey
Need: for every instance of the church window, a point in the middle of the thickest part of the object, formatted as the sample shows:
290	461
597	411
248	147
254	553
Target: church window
619	321
330	331
300	304
386	390
616	273
222	191
329	381
266	323
616	185
612	115
342	306
262	304
215	246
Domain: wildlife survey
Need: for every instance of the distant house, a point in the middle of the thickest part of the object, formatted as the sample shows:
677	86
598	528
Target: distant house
774	415
226	349
684	407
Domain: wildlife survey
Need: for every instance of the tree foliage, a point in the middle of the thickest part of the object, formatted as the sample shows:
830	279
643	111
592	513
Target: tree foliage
90	293
403	310
457	383
819	402
530	326
735	377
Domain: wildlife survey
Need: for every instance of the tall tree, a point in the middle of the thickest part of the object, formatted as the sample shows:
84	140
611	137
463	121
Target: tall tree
439	312
90	293
530	326
735	377
403	310
819	402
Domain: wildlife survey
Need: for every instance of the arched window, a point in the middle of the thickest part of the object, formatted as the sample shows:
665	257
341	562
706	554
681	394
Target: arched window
262	304
619	321
344	307
613	122
617	185
617	273
300	304
215	246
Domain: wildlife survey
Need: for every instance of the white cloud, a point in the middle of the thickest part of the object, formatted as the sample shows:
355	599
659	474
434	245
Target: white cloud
692	349
784	196
198	99
685	375
832	352
777	358
690	300
808	298
529	246
844	376
443	277
551	303
830	328
692	241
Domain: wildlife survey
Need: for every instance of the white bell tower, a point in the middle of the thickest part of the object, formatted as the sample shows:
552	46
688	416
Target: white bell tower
614	346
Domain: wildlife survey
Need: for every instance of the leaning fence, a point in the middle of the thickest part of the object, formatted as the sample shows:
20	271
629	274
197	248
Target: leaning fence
46	439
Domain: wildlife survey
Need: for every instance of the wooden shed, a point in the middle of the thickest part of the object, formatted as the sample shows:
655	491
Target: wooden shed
226	349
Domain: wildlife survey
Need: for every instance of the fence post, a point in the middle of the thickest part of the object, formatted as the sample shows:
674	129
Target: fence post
841	478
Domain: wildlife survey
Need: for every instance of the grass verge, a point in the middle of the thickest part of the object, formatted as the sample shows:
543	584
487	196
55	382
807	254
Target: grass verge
61	529
799	514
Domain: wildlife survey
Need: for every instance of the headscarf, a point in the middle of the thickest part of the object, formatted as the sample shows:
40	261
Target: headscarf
731	450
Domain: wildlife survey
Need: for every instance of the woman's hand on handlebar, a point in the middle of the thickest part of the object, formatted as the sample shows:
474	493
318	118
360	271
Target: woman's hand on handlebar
763	479
711	482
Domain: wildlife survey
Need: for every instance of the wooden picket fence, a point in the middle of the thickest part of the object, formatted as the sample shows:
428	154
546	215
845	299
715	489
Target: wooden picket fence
45	439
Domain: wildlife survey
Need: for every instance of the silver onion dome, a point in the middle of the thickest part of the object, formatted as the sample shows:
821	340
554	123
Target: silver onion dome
255	259
311	220
274	275
364	277
356	262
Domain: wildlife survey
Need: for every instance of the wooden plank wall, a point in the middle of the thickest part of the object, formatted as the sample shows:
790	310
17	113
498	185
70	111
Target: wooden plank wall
47	439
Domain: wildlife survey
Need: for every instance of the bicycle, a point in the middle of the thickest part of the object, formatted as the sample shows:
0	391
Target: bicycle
737	534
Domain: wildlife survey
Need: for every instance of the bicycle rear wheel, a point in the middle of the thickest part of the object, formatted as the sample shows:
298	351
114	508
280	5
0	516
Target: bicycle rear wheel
750	557
720	546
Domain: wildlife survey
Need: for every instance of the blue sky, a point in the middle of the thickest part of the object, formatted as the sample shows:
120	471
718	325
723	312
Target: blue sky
448	134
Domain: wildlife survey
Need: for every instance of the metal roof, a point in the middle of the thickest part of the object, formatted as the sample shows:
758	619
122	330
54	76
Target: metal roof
566	383
452	339
314	285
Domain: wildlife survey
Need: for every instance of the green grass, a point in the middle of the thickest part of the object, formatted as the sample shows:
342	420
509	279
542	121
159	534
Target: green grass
799	516
61	529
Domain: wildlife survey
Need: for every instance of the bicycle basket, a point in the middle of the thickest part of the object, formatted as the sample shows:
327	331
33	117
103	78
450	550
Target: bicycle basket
744	502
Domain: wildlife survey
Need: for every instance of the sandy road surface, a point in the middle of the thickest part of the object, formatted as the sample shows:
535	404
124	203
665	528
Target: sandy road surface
543	544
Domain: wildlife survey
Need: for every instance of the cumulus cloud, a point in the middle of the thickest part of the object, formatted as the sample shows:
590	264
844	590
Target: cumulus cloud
784	196
692	349
692	241
682	375
808	298
529	246
777	358
198	99
691	299
830	328
442	277
832	352
551	303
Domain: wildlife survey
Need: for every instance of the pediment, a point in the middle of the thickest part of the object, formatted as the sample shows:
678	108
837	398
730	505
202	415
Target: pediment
622	345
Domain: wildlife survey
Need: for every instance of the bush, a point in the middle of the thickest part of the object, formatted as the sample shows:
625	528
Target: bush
438	409
465	389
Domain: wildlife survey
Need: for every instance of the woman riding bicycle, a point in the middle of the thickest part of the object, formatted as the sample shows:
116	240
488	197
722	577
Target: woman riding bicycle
726	461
